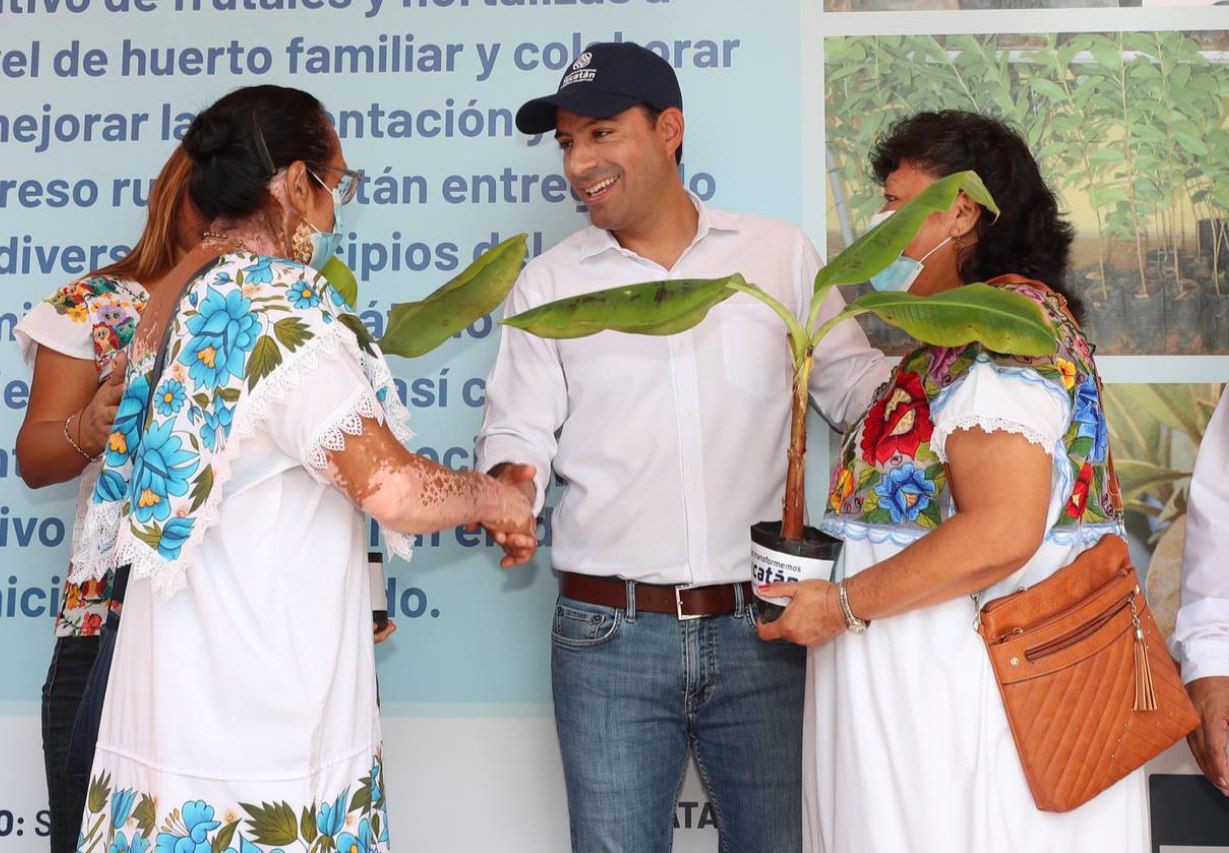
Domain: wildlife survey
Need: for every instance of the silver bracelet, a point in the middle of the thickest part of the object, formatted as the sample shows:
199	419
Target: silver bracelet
853	623
75	446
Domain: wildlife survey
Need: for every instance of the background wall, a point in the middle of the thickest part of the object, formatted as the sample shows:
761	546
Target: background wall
782	98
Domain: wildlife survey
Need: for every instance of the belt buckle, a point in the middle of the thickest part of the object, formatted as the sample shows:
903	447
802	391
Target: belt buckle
678	603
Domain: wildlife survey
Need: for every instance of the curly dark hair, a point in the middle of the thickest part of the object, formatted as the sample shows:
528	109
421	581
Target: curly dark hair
1030	236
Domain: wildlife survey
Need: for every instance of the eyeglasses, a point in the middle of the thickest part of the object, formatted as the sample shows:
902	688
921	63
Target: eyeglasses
347	186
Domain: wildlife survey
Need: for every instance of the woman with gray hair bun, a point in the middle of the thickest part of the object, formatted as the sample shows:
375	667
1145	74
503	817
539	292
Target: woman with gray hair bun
259	424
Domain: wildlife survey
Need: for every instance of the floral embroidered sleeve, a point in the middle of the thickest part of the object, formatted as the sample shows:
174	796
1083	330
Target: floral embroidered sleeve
92	320
890	482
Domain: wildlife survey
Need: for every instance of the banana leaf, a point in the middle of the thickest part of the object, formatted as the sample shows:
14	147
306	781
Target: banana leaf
1138	478
652	308
1005	322
342	279
878	247
416	328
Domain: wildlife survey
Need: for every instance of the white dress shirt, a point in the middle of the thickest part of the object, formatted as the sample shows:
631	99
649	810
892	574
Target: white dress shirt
1202	630
671	447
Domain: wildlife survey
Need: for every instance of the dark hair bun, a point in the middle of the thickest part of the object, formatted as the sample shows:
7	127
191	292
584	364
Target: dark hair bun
232	170
208	136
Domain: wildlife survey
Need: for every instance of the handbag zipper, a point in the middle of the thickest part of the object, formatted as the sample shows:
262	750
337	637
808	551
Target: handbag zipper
1074	636
993	605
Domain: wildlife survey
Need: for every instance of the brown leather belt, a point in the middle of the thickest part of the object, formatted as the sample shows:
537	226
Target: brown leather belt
685	602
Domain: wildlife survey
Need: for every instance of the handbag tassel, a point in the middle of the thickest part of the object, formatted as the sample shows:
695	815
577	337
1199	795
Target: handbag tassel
1145	695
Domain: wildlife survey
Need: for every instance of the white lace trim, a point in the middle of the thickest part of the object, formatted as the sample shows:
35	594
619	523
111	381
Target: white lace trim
108	543
330	436
988	423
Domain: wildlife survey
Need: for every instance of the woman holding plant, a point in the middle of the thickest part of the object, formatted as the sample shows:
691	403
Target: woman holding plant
259	425
973	473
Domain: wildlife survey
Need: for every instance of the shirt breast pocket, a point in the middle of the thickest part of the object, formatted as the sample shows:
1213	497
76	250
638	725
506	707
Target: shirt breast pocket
756	356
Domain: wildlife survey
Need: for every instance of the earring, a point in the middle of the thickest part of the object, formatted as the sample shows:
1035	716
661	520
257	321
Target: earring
301	243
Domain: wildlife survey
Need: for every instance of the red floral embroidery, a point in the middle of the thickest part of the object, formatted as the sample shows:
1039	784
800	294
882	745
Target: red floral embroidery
898	421
91	625
1079	495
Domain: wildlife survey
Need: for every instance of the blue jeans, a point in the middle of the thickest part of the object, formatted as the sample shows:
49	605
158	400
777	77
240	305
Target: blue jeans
635	693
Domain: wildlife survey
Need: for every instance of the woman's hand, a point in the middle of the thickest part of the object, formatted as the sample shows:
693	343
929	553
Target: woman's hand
812	618
92	426
509	518
379	634
518	548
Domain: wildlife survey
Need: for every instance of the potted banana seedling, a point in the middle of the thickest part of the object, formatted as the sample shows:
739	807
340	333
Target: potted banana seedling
789	550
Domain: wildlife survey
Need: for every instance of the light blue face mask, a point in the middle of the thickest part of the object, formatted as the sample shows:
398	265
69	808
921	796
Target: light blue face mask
325	243
903	272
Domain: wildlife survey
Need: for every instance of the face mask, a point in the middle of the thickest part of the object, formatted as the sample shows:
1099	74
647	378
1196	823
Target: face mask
899	275
325	243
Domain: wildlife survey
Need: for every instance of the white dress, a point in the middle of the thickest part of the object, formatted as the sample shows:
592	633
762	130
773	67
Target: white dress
241	712
906	745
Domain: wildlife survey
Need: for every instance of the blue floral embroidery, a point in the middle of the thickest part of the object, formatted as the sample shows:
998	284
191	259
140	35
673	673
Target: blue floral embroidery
127	421
342	824
1091	420
216	419
223	333
303	294
170	397
162	469
905	492
363	842
121	806
110	487
174	534
331	819
377	793
122	844
197	822
260	272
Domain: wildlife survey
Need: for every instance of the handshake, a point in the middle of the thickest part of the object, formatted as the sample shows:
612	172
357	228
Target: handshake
508	512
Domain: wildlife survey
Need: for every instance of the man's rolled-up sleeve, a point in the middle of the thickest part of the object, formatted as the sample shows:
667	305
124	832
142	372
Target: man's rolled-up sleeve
526	397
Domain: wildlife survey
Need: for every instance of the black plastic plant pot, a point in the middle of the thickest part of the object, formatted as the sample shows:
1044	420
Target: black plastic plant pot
775	559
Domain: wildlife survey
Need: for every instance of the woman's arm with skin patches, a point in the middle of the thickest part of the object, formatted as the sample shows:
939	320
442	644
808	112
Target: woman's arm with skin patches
411	494
65	387
1001	484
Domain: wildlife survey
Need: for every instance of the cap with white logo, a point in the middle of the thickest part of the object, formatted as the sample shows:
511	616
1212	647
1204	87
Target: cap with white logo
608	78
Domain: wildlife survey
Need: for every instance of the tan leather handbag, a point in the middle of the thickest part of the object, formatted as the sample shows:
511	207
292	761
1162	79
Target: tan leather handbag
1089	688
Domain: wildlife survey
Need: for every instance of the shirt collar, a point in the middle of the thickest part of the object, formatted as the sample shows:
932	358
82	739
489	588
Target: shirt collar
595	240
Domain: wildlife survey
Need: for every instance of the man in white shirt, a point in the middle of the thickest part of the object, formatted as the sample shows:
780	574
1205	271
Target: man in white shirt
1202	631
671	448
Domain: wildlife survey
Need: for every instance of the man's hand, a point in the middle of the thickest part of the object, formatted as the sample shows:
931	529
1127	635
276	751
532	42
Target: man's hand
518	548
813	617
1211	698
94	423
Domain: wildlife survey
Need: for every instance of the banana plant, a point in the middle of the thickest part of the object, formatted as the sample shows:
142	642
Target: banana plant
416	328
1004	322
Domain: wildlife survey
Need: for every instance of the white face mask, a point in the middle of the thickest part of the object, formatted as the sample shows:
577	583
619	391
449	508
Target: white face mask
902	272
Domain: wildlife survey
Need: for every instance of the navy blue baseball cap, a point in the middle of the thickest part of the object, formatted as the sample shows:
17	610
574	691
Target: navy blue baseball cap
608	78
